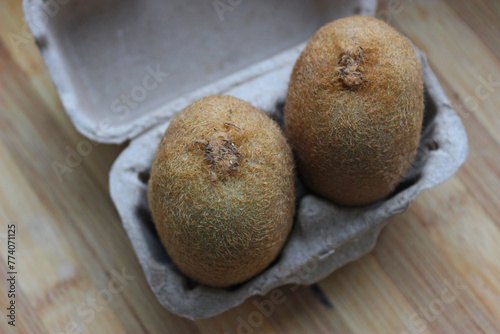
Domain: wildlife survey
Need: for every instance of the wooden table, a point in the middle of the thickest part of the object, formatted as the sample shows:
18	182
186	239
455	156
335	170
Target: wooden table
435	268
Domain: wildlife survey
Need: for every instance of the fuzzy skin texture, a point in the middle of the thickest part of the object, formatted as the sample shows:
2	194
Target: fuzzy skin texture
222	191
354	110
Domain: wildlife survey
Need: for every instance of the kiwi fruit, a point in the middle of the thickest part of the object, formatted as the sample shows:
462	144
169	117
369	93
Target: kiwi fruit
222	191
354	110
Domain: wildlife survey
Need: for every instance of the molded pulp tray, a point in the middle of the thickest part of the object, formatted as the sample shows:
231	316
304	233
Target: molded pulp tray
98	50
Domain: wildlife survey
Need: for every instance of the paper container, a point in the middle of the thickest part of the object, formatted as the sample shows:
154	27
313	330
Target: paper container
124	68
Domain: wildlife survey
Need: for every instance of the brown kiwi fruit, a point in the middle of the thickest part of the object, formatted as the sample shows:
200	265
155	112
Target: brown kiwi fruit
222	192
354	110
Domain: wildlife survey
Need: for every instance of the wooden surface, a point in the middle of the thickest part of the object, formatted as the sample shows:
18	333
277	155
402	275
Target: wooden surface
70	240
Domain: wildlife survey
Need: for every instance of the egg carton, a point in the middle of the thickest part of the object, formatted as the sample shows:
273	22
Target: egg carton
105	57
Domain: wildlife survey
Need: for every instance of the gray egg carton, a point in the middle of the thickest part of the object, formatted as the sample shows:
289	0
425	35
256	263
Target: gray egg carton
95	51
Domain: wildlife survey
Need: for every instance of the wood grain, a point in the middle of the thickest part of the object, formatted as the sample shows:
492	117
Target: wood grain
435	269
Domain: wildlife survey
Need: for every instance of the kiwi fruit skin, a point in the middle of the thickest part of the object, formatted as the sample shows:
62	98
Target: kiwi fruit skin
354	110
222	191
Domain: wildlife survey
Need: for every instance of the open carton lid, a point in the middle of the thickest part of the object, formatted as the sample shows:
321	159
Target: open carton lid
122	67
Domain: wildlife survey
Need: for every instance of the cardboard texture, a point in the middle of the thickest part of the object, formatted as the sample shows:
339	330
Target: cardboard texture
325	236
